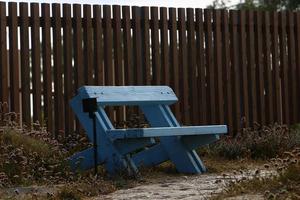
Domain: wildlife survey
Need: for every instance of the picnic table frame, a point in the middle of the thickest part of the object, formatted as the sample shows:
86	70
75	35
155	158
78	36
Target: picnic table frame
128	149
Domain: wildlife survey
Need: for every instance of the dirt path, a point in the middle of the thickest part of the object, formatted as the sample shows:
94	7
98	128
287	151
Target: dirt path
185	187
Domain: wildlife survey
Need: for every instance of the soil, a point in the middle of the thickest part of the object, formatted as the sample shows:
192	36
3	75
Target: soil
187	187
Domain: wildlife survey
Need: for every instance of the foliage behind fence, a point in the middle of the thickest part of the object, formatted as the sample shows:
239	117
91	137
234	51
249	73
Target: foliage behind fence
232	67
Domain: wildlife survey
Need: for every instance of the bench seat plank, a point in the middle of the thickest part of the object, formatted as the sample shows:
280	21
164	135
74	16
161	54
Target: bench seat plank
166	131
129	95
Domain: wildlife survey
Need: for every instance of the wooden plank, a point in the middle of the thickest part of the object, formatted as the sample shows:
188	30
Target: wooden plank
260	68
3	55
118	56
156	67
268	69
297	42
127	46
58	70
36	61
68	69
235	72
284	68
137	48
25	70
14	58
78	51
276	70
251	69
292	77
183	67
192	67
129	95
210	66
166	131
243	69
218	66
146	46
98	48
201	67
227	70
164	46
127	38
87	40
174	65
47	71
108	44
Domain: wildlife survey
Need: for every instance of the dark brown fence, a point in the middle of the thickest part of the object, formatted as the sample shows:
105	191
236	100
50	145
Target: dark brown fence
227	67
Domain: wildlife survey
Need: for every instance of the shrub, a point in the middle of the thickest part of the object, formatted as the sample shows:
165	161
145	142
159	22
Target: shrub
261	142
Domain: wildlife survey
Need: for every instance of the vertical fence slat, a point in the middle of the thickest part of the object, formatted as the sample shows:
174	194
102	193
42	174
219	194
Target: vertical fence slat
127	46
251	68
276	70
156	68
47	71
108	45
174	59
201	67
192	67
183	66
210	66
164	46
57	67
235	71
36	61
3	55
98	49
128	72
14	57
25	70
218	67
78	52
268	71
297	34
68	70
260	68
87	40
137	48
146	45
243	69
292	67
118	55
284	67
227	70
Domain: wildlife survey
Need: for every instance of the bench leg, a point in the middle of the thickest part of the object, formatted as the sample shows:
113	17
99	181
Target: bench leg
84	160
185	160
110	156
151	156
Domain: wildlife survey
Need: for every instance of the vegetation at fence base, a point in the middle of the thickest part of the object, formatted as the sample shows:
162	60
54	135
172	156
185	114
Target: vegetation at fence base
285	185
260	142
32	157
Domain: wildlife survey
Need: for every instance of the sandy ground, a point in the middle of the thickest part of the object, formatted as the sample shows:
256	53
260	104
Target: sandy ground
165	187
186	187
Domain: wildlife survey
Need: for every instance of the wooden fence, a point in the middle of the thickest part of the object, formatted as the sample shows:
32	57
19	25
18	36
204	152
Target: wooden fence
227	67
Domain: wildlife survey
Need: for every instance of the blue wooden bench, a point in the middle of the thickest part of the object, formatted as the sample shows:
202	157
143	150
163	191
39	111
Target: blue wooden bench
128	149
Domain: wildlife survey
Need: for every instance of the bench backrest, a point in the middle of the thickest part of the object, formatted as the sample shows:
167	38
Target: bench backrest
129	95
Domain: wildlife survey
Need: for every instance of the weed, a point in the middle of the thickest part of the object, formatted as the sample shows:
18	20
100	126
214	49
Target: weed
261	142
284	186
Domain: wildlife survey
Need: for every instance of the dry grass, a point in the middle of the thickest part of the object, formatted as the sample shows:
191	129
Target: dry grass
284	186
